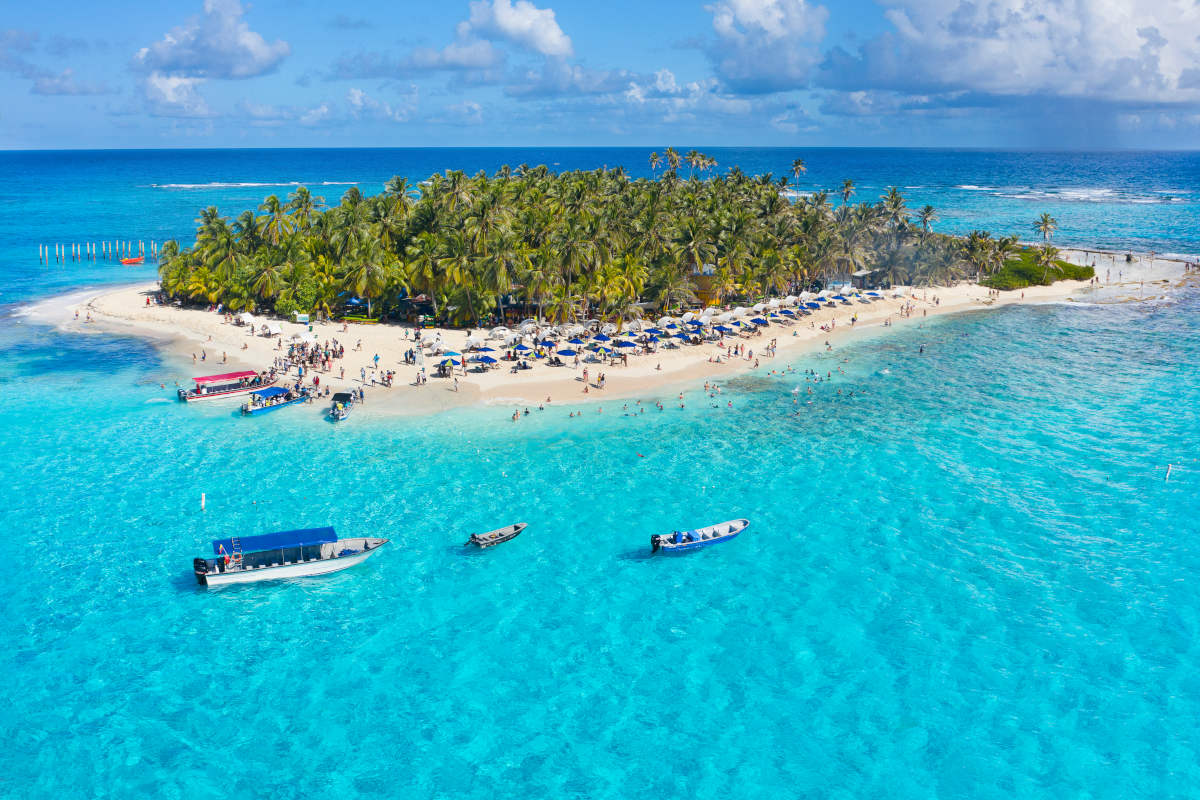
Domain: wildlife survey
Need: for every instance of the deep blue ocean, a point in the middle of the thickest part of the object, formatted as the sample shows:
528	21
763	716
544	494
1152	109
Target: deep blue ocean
968	579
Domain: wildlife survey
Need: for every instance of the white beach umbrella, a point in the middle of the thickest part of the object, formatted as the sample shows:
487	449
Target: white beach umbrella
608	328
273	329
759	306
789	300
664	322
726	317
739	312
687	317
775	303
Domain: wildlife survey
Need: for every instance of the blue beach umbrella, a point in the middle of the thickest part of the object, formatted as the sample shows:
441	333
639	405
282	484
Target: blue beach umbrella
604	350
451	353
788	312
487	350
600	337
812	305
723	329
653	338
548	343
522	348
576	340
626	344
566	352
449	361
654	331
680	335
759	321
487	359
672	327
839	297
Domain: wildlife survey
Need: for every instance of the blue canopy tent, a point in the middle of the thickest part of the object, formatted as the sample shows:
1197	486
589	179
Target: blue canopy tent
269	392
276	541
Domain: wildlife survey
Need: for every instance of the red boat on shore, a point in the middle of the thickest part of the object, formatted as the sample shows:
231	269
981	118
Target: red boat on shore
212	387
130	262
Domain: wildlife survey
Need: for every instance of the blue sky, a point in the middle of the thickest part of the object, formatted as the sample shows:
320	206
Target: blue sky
971	73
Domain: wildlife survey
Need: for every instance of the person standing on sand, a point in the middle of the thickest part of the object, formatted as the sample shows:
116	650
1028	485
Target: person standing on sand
456	384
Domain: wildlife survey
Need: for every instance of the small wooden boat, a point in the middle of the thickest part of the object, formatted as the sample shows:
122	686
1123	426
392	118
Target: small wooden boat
132	262
287	554
496	537
341	406
700	537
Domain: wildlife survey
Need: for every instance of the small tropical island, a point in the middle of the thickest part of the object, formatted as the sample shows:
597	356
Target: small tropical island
526	242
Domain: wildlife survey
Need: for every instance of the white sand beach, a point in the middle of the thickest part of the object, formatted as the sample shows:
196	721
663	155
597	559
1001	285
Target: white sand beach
186	333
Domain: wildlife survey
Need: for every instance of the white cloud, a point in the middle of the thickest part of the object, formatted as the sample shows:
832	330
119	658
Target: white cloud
65	83
766	45
1120	52
522	24
172	96
216	44
363	106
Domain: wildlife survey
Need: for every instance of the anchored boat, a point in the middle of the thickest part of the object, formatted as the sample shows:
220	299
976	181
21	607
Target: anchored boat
273	398
497	536
341	406
286	554
212	387
700	537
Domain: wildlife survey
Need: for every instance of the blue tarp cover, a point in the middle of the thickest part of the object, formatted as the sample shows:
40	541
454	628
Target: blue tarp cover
270	391
277	541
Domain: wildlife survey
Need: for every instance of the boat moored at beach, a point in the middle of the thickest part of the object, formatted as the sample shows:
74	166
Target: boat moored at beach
213	387
498	536
700	537
342	403
285	554
274	398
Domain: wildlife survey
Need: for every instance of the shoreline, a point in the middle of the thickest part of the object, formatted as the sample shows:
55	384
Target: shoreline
179	333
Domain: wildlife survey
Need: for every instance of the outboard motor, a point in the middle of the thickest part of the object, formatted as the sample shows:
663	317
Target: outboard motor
655	543
200	567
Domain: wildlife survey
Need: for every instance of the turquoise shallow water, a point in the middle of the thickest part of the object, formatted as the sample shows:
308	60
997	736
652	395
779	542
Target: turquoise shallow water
967	580
970	579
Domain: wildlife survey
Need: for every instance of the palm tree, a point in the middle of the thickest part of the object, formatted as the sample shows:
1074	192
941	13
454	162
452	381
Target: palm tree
672	158
304	207
847	190
926	216
655	161
275	223
1046	225
1047	258
798	168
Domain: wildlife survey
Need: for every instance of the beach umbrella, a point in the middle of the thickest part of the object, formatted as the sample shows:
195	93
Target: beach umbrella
759	321
576	340
604	350
653	331
521	348
567	353
681	336
672	327
548	343
775	303
487	359
653	338
688	317
626	344
664	322
451	353
759	306
723	329
812	305
789	312
487	349
602	337
740	311
449	361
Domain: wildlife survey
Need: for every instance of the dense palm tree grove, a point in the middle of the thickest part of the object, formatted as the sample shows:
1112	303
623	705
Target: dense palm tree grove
561	246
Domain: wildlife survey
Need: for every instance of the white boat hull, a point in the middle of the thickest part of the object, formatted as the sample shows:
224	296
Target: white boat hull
305	569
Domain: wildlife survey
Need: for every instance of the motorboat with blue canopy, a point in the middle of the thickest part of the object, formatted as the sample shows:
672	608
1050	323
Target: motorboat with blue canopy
283	554
679	541
273	398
